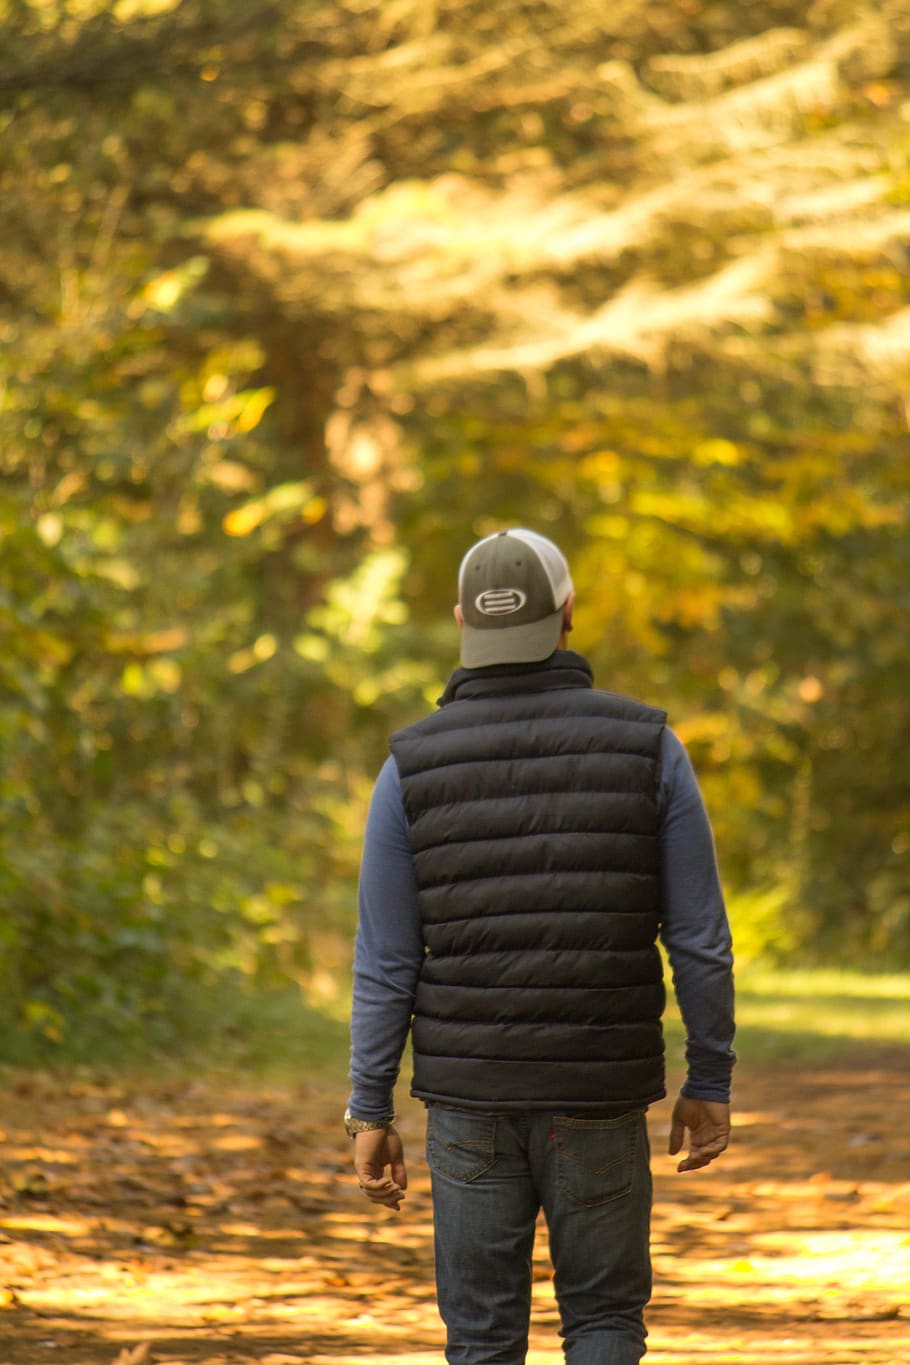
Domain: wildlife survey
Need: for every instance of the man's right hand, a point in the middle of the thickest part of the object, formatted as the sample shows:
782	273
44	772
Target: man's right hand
708	1124
373	1151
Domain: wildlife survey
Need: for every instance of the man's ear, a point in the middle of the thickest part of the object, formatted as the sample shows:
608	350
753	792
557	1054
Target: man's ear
567	613
459	615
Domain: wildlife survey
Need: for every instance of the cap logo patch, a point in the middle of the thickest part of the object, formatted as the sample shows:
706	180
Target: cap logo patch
500	601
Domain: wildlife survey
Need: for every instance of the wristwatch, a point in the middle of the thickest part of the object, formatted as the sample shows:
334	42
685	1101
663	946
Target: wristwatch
354	1126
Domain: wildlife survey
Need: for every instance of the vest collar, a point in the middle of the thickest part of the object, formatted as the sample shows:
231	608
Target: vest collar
565	668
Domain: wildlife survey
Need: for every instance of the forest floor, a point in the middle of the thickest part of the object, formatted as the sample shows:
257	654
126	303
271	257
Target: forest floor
198	1221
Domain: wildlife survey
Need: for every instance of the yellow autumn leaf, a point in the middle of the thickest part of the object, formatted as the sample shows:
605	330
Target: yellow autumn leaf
284	499
244	519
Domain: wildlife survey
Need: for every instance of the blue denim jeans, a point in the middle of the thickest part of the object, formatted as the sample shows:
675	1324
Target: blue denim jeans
491	1174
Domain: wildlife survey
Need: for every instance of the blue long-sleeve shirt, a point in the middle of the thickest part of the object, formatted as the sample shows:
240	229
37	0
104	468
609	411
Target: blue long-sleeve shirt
389	948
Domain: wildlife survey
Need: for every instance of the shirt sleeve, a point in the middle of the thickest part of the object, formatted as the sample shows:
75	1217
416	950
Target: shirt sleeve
388	951
694	929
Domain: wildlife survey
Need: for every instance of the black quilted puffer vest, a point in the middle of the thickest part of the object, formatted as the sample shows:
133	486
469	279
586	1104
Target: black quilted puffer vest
532	805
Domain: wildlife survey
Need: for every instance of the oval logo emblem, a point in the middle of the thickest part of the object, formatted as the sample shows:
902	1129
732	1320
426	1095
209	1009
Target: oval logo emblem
500	601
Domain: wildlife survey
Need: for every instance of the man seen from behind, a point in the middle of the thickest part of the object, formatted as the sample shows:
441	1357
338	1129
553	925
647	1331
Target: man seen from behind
527	845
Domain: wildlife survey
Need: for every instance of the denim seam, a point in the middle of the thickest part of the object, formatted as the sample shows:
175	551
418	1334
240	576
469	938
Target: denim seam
437	1147
627	1158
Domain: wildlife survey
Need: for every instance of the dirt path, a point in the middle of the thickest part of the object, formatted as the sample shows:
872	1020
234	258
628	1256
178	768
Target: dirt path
205	1225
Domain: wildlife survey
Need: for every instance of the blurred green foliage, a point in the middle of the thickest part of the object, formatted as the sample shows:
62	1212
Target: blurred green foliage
296	299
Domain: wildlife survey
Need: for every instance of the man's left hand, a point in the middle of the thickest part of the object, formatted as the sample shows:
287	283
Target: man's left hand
708	1126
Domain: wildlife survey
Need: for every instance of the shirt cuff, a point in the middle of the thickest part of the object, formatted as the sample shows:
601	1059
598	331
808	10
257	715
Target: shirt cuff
692	1090
368	1102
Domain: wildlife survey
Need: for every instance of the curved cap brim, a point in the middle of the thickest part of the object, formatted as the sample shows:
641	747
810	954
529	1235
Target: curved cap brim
525	644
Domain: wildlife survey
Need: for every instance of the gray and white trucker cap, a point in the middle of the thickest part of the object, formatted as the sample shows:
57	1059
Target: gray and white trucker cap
512	586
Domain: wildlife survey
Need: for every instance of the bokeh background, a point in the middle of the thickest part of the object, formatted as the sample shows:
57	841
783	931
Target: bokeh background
298	298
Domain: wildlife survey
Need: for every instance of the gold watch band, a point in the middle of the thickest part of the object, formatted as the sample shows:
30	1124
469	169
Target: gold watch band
353	1126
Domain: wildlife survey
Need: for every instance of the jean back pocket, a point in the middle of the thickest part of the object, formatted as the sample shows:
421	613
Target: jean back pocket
595	1158
460	1144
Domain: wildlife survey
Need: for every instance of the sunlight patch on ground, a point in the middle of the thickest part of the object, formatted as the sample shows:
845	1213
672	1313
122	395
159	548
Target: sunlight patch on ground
842	1261
45	1222
847	1349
